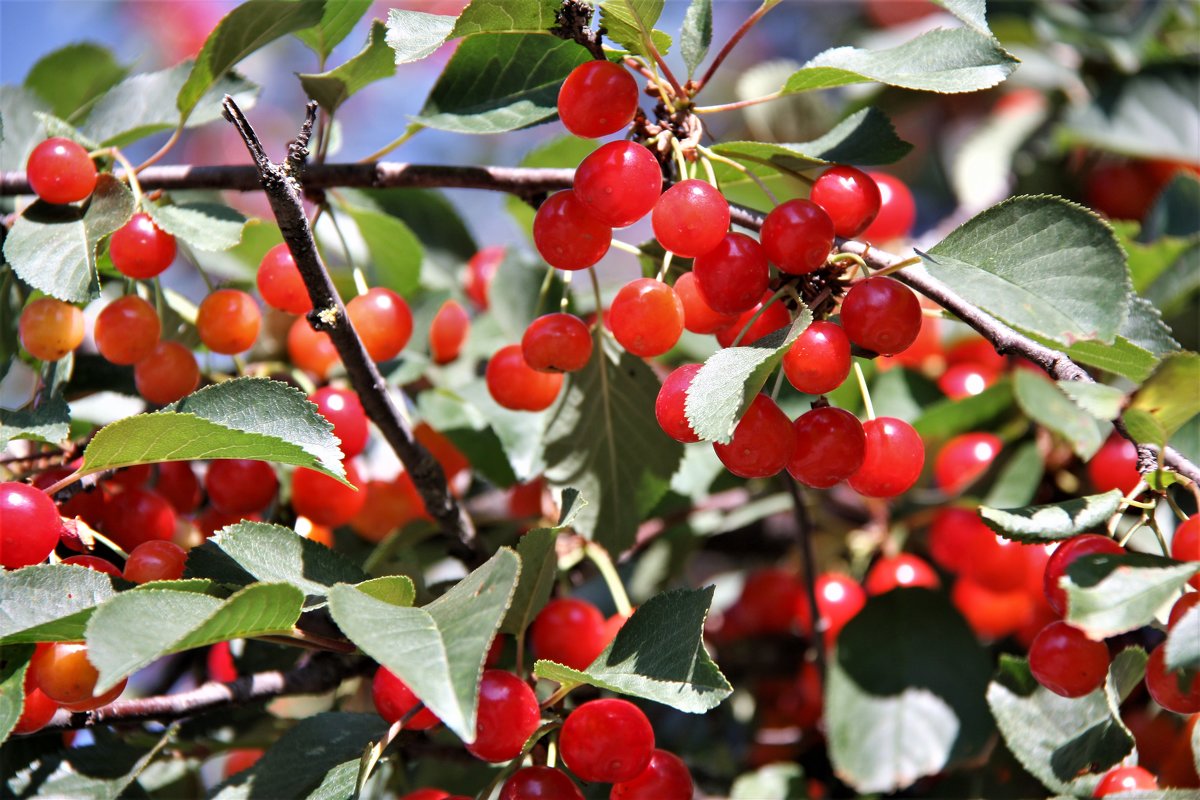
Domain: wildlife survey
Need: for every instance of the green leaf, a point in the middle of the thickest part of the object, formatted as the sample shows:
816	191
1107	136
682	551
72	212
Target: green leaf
731	378
1110	594
1018	480
398	590
500	82
53	247
1145	328
446	240
1053	522
1166	401
466	426
602	439
893	713
1041	264
514	292
1176	212
539	565
246	28
657	655
414	35
696	34
68	78
120	641
204	226
337	21
1178	283
50	422
1183	642
779	781
243	418
1123	358
947	418
630	22
1046	404
334	87
438	651
1101	401
102	771
396	253
13	661
20	131
49	603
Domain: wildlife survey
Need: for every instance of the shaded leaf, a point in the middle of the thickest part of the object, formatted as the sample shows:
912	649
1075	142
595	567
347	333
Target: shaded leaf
203	226
1183	642
1046	404
69	77
337	21
1111	594
460	421
21	129
1018	480
13	661
396	253
947	418
539	565
50	422
626	22
780	781
696	34
49	602
1101	401
336	86
1122	357
1166	401
1053	522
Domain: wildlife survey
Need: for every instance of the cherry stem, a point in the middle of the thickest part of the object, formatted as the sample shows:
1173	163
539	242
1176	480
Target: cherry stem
753	101
666	265
859	264
1132	530
1162	542
742	30
559	693
908	262
565	300
599	556
58	486
360	280
409	132
162	151
757	314
130	175
1128	500
626	247
1175	506
544	291
742	168
866	393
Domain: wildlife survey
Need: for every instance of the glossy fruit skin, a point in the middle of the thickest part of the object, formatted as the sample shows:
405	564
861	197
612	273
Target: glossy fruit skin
1114	466
567	234
94	563
383	321
690	218
961	542
849	196
819	359
169	373
669	406
326	501
311	350
1185	544
540	783
607	741
1066	553
646	317
763	441
240	485
37	710
963	459
597	98
901	571
241	759
138	515
557	342
666	778
30	526
228	321
448	332
515	385
991	614
344	410
839	599
797	236
63	672
881	315
1164	687
280	283
50	328
698	315
775	317
393	700
140	249
965	380
830	447
1066	662
1125	779
1183	605
481	269
733	275
1121	190
897	210
60	171
155	561
767	601
508	716
619	182
569	631
892	460
126	330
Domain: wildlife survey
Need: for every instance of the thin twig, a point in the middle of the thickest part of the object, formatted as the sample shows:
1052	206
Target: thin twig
742	30
808	561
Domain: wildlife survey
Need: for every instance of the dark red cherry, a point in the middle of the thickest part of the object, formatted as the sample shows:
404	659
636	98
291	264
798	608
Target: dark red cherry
797	236
619	183
762	442
830	447
881	315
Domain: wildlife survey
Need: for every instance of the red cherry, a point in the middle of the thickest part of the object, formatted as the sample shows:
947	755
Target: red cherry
975	350
394	700
897	210
1164	685
240	485
344	410
241	759
892	460
557	343
140	249
881	315
481	269
525	499
62	670
428	794
924	354
666	778
228	321
448	332
733	275
762	442
29	525
49	328
568	631
1125	779
963	459
690	218
567	234
135	516
646	317
515	385
619	183
94	563
1185	544
849	197
508	715
1122	190
900	572
540	783
1066	662
767	601
60	171
839	599
607	741
1066	554
669	407
326	501
961	542
382	320
38	709
451	459
1114	466
127	330
775	317
819	359
698	315
991	614
797	236
965	380
1183	605
830	447
132	477
155	561
389	505
597	98
178	485
802	702
280	284
311	350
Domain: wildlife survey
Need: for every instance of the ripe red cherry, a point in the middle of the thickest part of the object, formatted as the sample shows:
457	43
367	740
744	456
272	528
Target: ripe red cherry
839	598
669	407
155	561
1066	554
991	614
1164	685
965	380
897	210
1121	190
892	460
733	275
1066	662
881	315
963	459
126	330
569	631
960	541
481	269
94	563
597	98
168	374
448	332
690	218
1114	466
344	410
228	321
762	442
383	321
29	525
1183	605
775	317
619	183
666	778
240	485
607	741
975	350
326	501
646	317
1125	779
567	234
241	759
557	343
50	328
1185	544
63	672
900	572
515	385
394	700
38	709
830	446
698	315
849	197
60	171
280	284
311	350
508	715
767	601
135	516
819	359
140	249
797	236
540	783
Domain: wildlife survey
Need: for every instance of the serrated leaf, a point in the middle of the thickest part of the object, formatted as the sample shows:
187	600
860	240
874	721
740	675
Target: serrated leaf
396	253
729	380
630	23
120	641
947	418
1018	480
338	19
1177	284
1183	642
1166	401
56	126
1101	401
204	226
1053	522
20	130
69	77
53	247
1111	594
243	418
49	602
13	662
539	565
1046	404
373	63
602	439
414	35
1122	357
1145	328
696	34
1041	264
657	655
49	422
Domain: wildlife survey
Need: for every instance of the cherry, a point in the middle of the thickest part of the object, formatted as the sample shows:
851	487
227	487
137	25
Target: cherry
619	183
646	317
1175	691
525	499
892	460
597	98
690	218
63	672
140	249
344	410
448	332
839	599
819	359
155	561
557	343
666	778
961	542
508	715
1185	544
975	350
830	446
37	710
383	321
567	234
219	664
1066	554
127	330
311	350
991	614
775	317
1067	662
1125	779
324	500
802	702
607	741
569	631
280	284
1121	190
925	353
698	315
797	236
881	315
897	210
168	374
50	328
964	459
210	520
228	321
762	443
481	269
94	563
394	700
849	197
733	275
431	794
177	483
900	572
135	516
60	171
452	460
1183	605
1114	466
515	385
241	759
132	477
540	783
240	485
669	407
29	525
767	600
965	380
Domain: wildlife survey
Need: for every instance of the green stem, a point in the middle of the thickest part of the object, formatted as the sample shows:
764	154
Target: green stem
866	393
409	132
545	290
757	314
599	556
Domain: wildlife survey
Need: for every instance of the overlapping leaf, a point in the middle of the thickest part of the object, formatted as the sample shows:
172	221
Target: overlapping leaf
48	603
1111	594
336	86
1046	404
204	226
539	566
413	35
1166	401
70	77
1055	521
338	19
48	422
